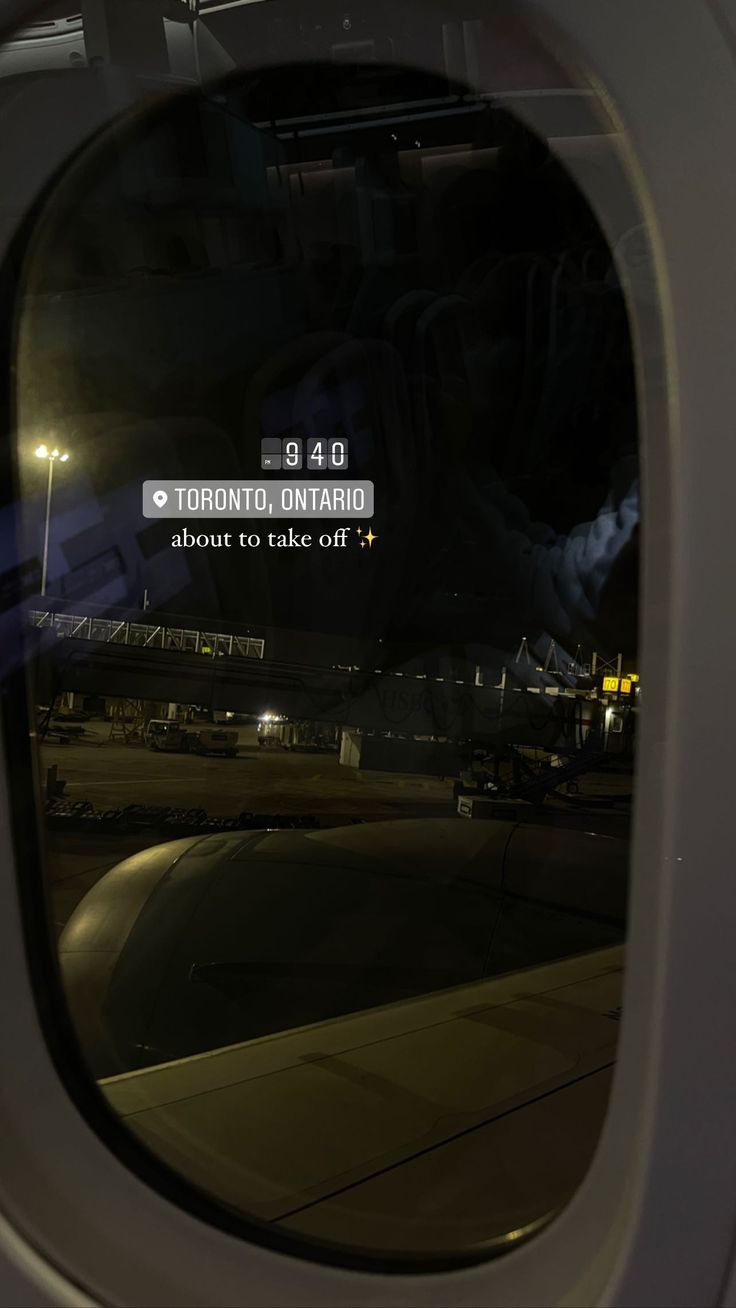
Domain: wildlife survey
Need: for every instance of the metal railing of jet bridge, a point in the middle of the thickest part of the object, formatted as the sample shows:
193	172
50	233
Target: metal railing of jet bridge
115	631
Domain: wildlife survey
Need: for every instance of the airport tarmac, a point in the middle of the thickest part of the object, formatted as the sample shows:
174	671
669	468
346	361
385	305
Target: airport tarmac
262	779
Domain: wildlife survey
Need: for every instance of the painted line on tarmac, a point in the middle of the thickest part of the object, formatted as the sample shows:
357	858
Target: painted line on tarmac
139	781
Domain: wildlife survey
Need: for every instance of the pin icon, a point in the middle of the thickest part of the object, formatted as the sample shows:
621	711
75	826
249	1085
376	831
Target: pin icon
160	498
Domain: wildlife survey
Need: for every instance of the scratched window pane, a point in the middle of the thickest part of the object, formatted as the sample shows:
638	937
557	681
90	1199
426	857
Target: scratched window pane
328	444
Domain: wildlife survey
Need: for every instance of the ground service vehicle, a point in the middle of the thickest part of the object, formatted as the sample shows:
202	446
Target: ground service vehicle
179	738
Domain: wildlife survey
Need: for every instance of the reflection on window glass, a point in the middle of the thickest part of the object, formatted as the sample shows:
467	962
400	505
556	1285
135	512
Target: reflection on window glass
327	436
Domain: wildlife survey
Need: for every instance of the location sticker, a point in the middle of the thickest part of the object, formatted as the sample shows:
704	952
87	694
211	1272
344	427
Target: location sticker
159	498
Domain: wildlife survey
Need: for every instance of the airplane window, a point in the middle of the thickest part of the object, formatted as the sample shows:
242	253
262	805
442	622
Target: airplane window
325	429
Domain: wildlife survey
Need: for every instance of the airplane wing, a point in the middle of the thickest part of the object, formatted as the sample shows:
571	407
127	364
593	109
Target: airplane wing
393	1126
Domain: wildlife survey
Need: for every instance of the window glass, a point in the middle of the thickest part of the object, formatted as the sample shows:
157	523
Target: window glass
326	431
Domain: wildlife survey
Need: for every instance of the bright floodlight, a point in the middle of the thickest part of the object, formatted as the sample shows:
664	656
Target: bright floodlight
43	452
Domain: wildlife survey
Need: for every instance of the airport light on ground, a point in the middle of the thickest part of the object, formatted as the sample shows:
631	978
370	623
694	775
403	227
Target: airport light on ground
51	456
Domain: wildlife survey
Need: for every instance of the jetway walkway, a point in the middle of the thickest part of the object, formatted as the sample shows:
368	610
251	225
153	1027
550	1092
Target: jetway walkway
142	635
116	657
369	701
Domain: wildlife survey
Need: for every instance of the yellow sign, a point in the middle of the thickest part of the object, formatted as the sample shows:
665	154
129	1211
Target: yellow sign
625	686
633	676
611	683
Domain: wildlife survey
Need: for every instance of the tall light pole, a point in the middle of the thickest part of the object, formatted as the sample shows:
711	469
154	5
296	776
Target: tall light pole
51	456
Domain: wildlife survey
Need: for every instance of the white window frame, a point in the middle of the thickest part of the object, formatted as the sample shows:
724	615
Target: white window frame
654	1220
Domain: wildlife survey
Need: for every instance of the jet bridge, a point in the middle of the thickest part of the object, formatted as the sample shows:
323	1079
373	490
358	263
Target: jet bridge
221	671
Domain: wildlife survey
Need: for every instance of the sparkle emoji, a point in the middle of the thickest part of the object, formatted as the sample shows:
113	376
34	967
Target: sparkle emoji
366	538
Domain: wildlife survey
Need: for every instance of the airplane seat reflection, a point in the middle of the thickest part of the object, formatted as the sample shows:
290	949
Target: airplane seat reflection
328	275
384	281
447	344
400	321
268	394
